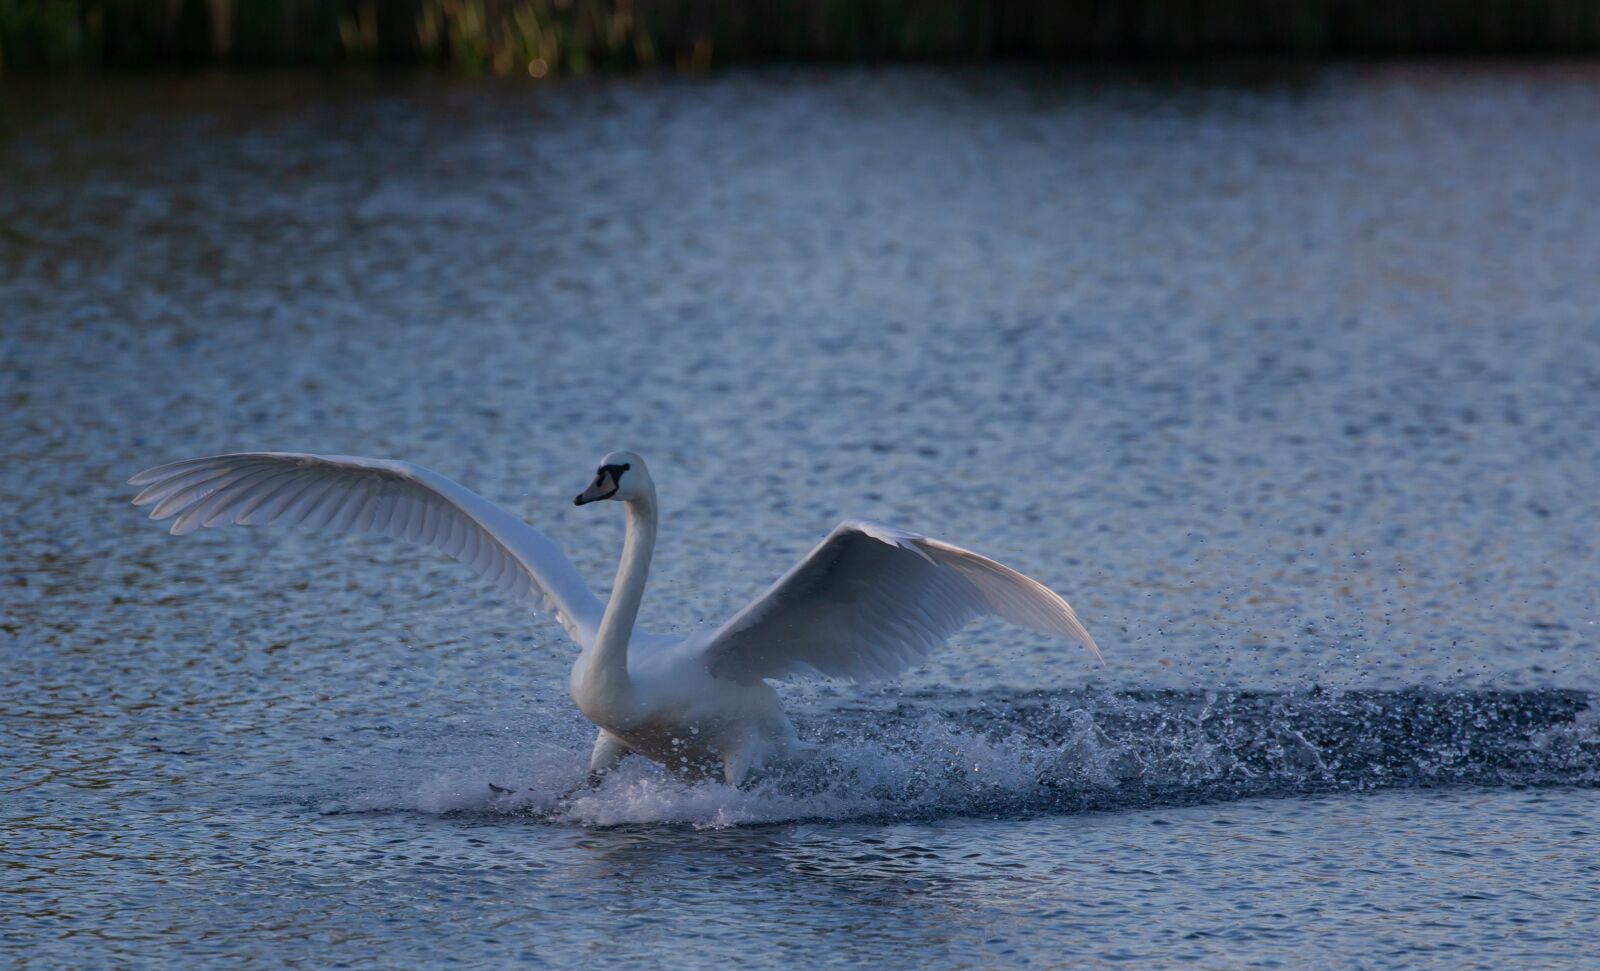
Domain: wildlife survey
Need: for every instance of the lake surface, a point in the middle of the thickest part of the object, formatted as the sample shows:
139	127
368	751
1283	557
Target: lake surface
1289	382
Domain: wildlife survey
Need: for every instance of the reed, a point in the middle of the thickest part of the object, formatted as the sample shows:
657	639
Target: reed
549	37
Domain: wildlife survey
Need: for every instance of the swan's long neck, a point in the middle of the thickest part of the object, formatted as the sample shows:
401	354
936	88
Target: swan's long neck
604	666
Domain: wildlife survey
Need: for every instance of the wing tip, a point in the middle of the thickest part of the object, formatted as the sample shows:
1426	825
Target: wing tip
156	473
149	476
1075	628
1094	648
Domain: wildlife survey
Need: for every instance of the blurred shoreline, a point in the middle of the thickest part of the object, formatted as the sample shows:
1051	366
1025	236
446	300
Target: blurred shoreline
541	38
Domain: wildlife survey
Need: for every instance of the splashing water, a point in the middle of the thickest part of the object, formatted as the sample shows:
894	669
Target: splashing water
1061	752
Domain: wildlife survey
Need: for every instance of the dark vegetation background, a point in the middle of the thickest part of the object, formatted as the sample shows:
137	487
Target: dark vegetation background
543	37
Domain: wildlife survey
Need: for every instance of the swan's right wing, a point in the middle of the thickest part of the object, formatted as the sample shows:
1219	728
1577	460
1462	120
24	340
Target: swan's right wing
872	600
342	493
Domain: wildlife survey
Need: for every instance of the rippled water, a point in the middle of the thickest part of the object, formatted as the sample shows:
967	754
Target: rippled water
1290	384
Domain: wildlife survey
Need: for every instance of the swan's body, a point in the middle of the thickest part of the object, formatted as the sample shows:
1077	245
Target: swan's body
867	602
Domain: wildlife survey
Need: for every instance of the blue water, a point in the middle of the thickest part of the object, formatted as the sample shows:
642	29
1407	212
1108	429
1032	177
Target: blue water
1287	381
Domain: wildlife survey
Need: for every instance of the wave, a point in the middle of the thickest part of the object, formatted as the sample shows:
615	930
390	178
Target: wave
1009	754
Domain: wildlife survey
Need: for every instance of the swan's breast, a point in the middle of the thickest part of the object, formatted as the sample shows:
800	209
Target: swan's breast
677	714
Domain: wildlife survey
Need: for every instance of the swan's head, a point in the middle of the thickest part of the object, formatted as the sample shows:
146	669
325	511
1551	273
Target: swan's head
621	476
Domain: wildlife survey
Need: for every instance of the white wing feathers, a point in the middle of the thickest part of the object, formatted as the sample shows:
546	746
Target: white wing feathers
342	493
871	601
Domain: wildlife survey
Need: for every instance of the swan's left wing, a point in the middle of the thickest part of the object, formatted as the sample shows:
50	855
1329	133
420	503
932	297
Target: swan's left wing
871	601
345	493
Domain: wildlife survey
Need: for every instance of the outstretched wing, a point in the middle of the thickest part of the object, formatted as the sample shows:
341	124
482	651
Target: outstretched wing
342	493
872	600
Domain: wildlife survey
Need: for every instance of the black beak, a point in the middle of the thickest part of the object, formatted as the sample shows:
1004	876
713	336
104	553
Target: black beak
603	487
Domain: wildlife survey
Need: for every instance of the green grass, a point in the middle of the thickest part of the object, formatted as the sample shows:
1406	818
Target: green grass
549	37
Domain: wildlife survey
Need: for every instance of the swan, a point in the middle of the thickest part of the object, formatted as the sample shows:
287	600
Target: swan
869	601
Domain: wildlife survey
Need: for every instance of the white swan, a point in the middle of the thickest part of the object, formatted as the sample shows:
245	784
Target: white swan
867	602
